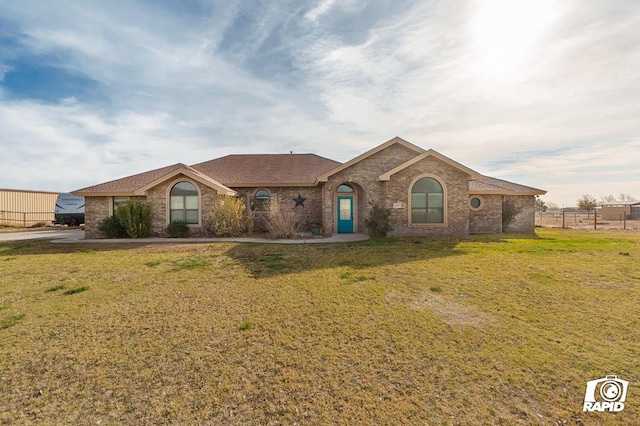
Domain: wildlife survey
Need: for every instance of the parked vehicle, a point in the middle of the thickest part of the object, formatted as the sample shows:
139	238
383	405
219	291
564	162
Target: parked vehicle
69	210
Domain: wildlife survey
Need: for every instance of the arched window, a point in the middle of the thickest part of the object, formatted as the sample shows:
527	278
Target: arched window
344	189
260	201
184	203
427	201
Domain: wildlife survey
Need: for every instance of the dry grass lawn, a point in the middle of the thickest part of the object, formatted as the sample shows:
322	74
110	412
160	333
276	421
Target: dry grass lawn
487	330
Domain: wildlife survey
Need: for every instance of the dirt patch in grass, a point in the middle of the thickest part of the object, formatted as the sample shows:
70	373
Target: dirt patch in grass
451	312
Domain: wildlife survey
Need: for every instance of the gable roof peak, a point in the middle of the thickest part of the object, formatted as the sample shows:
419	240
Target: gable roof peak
392	141
429	153
139	183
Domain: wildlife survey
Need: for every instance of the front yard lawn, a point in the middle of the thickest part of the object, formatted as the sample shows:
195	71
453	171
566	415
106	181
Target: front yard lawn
492	329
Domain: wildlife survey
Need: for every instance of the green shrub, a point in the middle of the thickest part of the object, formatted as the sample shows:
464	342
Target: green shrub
178	230
111	228
377	221
135	217
226	218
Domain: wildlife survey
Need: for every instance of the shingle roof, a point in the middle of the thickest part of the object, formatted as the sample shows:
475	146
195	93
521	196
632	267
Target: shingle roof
253	170
129	184
488	184
267	169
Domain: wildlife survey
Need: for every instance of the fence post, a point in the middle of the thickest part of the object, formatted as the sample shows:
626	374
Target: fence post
624	221
595	220
563	218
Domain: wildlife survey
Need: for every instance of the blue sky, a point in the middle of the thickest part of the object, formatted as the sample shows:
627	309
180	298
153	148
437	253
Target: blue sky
540	92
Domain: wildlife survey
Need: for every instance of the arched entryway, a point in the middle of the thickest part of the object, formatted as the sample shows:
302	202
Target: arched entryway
346	209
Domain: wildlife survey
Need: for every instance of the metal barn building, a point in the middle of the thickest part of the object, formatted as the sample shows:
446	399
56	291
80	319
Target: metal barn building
26	208
621	210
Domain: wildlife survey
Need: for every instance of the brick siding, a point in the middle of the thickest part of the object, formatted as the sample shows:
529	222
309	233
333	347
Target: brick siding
320	204
310	214
488	218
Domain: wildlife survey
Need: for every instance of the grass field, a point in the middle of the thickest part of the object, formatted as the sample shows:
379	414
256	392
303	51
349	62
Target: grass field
486	330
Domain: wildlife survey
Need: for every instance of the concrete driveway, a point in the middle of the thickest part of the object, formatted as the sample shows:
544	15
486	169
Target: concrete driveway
44	234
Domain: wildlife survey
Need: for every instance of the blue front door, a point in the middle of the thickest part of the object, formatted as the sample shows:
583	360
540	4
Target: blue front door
345	214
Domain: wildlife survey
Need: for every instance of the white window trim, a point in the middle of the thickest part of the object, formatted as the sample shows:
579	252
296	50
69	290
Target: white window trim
445	218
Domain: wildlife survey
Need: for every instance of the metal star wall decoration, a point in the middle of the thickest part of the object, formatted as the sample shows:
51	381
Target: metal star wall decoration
299	200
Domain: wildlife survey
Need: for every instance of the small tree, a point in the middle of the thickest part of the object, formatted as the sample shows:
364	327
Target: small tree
135	217
509	212
587	203
377	221
541	206
226	218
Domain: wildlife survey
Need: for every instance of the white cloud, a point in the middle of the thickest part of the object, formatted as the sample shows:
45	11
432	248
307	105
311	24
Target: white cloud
555	99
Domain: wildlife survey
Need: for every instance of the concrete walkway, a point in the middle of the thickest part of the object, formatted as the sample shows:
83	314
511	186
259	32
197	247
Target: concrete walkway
336	238
61	234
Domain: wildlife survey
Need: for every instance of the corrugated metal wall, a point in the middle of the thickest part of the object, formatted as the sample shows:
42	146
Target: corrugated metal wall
26	208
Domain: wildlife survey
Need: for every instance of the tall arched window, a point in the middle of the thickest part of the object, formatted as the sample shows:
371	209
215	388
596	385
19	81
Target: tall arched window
427	201
184	203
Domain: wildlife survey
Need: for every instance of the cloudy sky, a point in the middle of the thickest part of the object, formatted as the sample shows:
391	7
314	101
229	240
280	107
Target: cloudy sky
541	92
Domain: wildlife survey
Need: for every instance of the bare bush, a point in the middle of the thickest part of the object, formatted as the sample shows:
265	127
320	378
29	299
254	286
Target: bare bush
377	221
281	223
226	218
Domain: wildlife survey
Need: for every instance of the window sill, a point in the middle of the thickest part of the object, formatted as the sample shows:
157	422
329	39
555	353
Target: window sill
427	225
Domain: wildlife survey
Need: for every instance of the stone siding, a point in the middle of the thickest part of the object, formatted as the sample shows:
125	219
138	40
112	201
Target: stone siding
488	218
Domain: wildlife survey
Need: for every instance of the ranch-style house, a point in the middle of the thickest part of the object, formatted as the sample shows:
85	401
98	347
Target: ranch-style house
427	193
